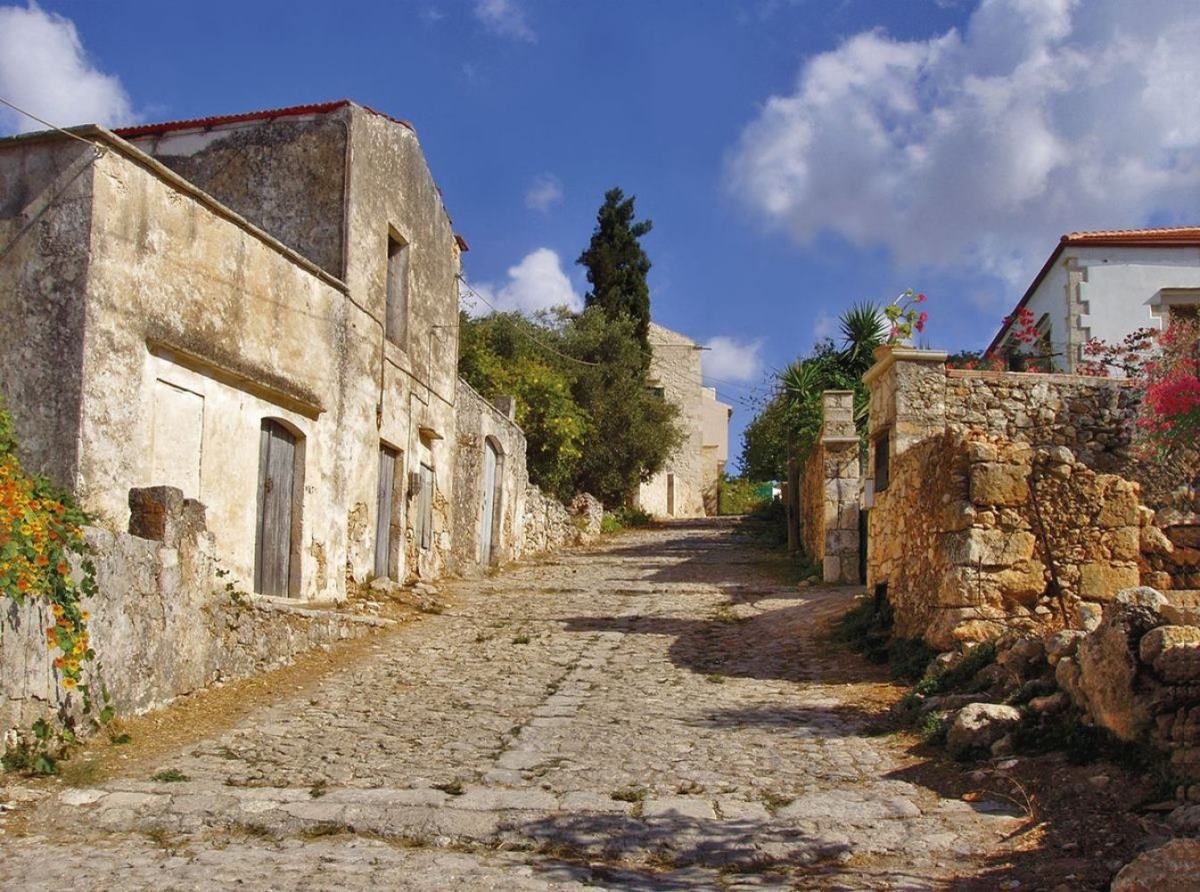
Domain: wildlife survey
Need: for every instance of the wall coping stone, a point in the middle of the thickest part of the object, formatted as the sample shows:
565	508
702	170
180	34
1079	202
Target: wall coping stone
886	357
1052	377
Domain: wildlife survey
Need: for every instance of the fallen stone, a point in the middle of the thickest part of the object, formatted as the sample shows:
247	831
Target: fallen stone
979	725
1173	867
1062	644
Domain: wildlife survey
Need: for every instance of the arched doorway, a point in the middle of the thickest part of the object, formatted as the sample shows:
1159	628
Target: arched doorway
490	517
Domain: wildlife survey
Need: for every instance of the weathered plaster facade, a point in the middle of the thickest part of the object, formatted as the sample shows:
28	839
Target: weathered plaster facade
177	327
687	484
487	534
165	624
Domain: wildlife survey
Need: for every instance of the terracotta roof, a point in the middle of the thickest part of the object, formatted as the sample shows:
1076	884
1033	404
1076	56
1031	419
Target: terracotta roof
264	115
1166	237
1181	235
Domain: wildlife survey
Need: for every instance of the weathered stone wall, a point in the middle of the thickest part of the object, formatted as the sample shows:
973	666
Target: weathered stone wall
266	172
1137	673
830	492
136	288
547	524
479	422
163	624
987	521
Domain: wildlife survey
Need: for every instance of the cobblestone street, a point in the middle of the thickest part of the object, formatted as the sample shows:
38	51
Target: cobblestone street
658	712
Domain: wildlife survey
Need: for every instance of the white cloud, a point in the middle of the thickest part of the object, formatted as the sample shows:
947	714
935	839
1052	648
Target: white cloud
505	18
44	69
977	149
546	190
825	325
536	283
727	359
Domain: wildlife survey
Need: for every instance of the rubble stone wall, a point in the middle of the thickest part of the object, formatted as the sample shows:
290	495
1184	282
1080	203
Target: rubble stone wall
989	521
163	624
1137	673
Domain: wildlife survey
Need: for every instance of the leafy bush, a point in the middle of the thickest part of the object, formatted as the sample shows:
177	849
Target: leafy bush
41	530
739	496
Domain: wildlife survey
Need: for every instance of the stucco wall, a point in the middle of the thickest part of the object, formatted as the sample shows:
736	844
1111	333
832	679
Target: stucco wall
45	220
675	367
285	176
1107	292
477	422
179	295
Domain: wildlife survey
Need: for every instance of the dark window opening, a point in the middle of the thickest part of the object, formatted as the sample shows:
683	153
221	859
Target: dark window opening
397	291
882	449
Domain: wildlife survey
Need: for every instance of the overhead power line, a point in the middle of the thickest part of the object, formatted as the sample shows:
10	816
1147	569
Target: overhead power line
99	149
522	331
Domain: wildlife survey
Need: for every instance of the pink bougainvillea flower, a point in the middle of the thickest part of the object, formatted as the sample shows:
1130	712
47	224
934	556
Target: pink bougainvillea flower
922	319
921	298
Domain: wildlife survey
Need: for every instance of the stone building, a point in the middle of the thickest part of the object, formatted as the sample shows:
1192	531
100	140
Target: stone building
688	482
260	310
1104	285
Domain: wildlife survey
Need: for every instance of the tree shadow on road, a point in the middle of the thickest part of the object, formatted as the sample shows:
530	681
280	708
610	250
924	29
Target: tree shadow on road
780	644
672	851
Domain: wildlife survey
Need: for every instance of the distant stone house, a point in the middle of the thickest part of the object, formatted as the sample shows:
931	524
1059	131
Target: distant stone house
686	486
260	310
1104	285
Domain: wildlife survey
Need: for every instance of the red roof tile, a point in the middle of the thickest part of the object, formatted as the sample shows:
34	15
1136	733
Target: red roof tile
1174	235
265	115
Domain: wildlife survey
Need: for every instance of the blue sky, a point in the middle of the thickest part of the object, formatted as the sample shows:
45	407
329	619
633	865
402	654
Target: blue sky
795	157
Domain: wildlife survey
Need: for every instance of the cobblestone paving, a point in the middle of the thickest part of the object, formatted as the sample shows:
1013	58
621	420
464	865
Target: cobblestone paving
656	713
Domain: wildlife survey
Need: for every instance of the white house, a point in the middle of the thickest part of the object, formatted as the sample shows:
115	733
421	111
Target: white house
1104	285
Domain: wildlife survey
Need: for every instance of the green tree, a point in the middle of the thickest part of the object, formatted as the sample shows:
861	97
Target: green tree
502	355
630	431
617	266
790	422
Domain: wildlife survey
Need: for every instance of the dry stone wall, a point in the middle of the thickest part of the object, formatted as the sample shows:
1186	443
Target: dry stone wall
989	521
1137	673
163	623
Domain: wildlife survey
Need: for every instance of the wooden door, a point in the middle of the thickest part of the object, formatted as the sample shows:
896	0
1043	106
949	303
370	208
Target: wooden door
385	500
671	495
425	508
487	520
276	510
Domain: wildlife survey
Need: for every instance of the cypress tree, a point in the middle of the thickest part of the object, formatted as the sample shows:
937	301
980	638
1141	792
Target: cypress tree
617	266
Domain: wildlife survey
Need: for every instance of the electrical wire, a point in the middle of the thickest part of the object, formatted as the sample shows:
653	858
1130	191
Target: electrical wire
99	149
537	341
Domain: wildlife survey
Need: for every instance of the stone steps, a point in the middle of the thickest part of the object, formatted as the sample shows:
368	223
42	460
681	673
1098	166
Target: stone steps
711	832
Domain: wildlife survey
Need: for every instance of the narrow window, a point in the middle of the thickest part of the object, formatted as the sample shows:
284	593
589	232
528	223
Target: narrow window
397	290
882	448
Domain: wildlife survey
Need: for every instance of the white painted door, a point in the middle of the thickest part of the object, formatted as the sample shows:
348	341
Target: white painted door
487	518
